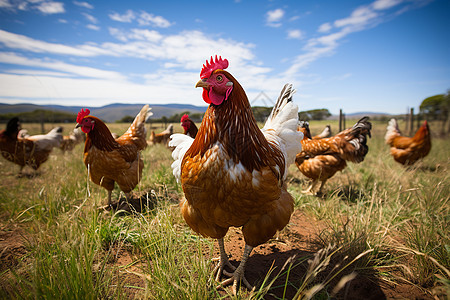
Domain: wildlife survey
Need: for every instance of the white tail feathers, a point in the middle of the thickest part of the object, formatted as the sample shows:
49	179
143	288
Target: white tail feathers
182	143
392	131
281	126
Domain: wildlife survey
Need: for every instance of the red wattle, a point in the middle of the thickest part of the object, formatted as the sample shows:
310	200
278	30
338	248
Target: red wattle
205	96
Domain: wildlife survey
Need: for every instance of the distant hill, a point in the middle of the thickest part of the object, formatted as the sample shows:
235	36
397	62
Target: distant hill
116	111
108	113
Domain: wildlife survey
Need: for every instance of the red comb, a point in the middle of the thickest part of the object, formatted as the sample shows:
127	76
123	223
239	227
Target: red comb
83	113
211	66
184	117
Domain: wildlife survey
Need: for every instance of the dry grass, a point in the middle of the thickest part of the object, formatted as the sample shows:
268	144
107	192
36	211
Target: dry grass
382	218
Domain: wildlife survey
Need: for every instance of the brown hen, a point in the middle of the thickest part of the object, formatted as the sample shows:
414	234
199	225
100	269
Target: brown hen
320	159
233	174
30	151
110	160
408	150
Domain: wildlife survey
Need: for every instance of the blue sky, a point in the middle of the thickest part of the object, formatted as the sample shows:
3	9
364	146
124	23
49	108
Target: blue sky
379	55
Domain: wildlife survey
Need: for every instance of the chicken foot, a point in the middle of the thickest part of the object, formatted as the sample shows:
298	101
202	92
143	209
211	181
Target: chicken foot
238	274
311	187
223	261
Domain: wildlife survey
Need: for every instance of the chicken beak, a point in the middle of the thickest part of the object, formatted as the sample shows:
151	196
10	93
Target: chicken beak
78	125
202	83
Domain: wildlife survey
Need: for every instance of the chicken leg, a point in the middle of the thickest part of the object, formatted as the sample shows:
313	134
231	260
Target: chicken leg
319	192
223	261
238	274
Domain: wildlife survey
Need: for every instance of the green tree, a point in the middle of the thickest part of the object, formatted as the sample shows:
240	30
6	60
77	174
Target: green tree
40	115
434	107
314	114
126	119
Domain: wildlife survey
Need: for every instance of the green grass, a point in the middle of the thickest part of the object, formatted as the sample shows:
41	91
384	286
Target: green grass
380	219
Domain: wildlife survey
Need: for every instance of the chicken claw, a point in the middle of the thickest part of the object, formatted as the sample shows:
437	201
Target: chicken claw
237	276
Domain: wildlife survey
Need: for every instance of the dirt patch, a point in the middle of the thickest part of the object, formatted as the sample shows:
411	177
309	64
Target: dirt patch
298	243
128	268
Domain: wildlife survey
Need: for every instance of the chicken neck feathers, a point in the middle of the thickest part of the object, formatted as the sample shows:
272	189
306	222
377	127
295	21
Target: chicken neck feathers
233	125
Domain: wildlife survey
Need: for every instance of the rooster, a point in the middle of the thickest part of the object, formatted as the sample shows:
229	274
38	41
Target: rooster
189	126
110	160
233	174
407	150
324	134
27	150
321	159
161	138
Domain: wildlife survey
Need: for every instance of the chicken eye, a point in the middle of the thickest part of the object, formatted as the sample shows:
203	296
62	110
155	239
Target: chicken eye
219	78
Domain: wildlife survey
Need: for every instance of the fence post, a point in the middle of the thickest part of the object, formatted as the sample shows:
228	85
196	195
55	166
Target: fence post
411	122
340	120
42	123
406	120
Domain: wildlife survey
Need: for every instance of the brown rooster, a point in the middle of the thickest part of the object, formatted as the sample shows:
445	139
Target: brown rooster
407	150
161	138
321	159
189	126
233	174
29	151
110	160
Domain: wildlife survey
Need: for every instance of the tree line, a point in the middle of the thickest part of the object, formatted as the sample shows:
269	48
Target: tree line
433	108
40	116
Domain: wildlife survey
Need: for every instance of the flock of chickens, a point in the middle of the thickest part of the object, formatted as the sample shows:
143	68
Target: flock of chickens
233	174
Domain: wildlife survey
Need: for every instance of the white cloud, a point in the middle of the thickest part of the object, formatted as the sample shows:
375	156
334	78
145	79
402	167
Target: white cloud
385	4
146	35
13	58
36	72
326	27
101	91
186	50
136	34
273	17
143	18
5	4
93	27
149	19
17	41
118	34
46	7
51	7
360	16
83	4
90	18
128	17
295	34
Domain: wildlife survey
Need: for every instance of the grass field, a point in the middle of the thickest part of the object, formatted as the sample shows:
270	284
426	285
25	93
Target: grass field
377	220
